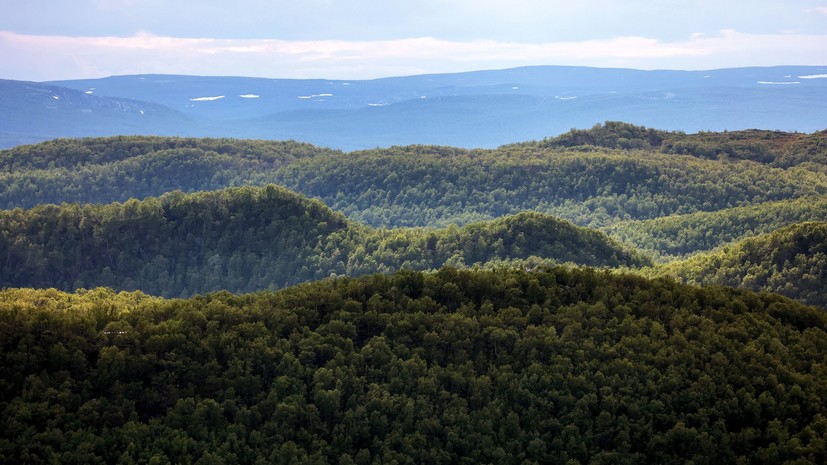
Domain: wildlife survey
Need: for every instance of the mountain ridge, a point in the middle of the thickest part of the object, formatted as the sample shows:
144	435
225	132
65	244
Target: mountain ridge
668	194
472	109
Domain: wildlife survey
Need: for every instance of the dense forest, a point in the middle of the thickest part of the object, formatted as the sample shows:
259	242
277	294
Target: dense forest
776	148
679	236
105	170
413	186
247	239
571	300
407	186
665	202
791	261
547	366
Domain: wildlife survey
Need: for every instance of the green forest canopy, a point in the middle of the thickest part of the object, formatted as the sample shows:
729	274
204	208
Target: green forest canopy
791	261
508	366
666	202
247	239
518	363
678	236
409	186
776	148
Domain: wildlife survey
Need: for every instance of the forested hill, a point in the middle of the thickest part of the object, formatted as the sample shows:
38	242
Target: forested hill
777	148
104	170
555	366
420	185
78	153
404	186
247	239
791	261
679	236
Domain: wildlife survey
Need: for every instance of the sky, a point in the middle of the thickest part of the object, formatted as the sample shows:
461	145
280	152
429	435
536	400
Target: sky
362	39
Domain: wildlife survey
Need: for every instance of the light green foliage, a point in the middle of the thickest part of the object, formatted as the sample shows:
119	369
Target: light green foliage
678	236
412	186
791	261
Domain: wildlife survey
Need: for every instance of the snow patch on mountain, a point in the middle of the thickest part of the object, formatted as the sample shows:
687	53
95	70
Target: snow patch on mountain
206	99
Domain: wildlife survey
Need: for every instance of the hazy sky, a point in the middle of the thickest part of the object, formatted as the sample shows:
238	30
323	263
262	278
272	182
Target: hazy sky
62	39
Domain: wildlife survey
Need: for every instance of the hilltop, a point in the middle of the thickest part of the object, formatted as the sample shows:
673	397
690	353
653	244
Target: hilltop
777	148
415	185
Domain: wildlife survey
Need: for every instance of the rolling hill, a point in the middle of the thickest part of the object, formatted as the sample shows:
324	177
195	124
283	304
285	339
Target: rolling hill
489	357
248	239
405	186
679	236
33	112
667	194
791	261
777	148
510	366
407	304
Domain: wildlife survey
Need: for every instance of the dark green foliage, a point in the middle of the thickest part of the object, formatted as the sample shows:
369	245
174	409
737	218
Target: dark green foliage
549	366
612	134
772	147
104	170
247	239
791	261
240	239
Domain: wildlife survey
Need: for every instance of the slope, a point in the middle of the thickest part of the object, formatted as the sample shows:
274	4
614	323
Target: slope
777	148
552	366
404	186
678	236
246	239
791	261
426	185
34	112
104	170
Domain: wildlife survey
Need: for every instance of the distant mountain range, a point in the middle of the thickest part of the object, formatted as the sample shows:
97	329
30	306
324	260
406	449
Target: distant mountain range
473	109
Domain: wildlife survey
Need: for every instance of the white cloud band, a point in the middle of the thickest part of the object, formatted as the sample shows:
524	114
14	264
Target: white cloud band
34	57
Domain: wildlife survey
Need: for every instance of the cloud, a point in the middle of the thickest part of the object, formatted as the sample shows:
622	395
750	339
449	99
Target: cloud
35	57
819	9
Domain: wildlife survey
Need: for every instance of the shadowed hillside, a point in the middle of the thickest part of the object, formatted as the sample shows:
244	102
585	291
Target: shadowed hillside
247	239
